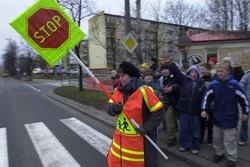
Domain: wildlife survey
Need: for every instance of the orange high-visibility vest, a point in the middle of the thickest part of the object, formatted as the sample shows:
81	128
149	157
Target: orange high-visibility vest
127	148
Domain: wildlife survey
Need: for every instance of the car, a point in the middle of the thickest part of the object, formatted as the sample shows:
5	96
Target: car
37	71
73	72
4	74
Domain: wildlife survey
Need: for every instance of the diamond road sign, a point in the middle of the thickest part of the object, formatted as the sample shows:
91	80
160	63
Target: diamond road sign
130	43
48	29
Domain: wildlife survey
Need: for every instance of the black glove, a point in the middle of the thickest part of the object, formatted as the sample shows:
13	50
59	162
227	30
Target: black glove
141	130
114	109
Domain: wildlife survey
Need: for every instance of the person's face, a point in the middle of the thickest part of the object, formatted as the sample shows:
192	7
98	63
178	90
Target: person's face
222	73
124	79
148	78
204	71
113	73
193	75
165	72
185	65
211	63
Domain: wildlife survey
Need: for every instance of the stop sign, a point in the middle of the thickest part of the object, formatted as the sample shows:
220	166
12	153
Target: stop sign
48	28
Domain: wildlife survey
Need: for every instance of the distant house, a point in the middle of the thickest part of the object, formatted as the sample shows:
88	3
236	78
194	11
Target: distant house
219	44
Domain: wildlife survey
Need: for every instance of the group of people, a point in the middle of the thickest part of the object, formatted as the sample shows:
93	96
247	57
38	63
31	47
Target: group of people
199	97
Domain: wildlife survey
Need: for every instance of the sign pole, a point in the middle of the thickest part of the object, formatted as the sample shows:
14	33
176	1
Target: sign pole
111	97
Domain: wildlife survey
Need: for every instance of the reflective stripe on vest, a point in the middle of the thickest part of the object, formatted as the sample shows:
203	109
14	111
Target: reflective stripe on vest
123	150
156	106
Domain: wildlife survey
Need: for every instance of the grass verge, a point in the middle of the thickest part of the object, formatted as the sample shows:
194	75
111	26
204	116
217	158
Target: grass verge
94	98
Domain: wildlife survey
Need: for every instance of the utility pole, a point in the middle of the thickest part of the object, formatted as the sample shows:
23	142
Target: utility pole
127	25
138	33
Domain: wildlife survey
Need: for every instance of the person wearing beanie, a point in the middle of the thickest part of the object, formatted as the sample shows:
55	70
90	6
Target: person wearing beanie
169	92
147	75
191	89
212	61
185	65
154	64
146	109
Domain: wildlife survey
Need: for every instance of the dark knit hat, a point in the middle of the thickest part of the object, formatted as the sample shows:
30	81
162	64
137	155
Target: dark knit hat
165	66
146	72
130	69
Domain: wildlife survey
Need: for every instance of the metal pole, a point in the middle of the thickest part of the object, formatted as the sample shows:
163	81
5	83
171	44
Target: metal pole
110	96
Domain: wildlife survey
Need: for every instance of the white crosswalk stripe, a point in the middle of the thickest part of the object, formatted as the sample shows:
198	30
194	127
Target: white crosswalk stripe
99	141
3	148
49	149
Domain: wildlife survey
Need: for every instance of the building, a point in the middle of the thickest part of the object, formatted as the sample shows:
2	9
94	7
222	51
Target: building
106	32
219	44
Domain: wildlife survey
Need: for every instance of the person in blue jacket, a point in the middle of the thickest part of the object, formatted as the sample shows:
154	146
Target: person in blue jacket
226	92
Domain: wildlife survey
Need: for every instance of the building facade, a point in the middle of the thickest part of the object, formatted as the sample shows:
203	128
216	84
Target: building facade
106	33
219	44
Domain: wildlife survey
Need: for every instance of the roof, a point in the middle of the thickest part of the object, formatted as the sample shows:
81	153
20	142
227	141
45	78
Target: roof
220	35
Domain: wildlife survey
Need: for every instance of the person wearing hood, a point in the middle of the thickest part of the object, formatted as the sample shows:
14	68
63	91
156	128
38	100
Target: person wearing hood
129	147
191	89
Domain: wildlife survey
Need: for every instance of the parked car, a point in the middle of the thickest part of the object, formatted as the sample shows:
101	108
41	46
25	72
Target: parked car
37	71
75	72
4	74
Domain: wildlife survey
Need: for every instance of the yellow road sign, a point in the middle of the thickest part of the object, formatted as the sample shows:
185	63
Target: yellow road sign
48	29
130	43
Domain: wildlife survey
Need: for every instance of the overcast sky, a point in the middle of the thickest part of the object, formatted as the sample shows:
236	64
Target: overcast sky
10	9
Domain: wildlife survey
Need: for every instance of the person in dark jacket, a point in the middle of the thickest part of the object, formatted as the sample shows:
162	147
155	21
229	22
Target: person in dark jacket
154	65
236	71
115	78
191	89
129	147
169	93
207	78
225	91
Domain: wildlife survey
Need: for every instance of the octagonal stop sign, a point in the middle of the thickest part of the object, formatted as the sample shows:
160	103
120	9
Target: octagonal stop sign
48	28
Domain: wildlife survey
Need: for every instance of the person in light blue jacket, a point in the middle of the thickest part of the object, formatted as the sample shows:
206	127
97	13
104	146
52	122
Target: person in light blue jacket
226	92
245	83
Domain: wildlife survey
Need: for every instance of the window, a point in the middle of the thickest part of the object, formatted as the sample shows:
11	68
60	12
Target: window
212	53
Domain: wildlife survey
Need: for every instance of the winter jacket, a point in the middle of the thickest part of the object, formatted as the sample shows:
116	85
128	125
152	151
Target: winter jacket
170	98
225	95
245	83
237	73
190	92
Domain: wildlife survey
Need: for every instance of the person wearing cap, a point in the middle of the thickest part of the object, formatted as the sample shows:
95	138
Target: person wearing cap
212	61
129	147
148	76
154	64
163	60
185	65
143	67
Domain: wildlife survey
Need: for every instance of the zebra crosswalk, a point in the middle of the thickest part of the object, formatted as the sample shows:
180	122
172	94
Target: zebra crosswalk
49	149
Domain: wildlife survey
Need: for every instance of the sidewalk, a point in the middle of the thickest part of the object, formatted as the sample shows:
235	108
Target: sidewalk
203	159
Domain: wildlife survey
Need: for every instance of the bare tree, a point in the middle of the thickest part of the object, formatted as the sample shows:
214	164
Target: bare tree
242	8
28	55
10	56
79	10
221	14
180	12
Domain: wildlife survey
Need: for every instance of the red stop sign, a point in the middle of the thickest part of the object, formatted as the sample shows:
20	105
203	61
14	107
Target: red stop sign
48	28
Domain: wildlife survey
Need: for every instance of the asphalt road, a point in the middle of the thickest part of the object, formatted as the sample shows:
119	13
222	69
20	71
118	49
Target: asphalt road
37	131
